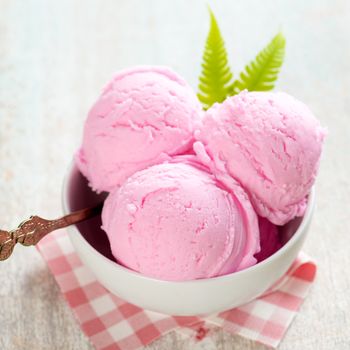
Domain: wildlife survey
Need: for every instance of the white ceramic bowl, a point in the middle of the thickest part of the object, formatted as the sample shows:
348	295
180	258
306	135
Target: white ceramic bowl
196	297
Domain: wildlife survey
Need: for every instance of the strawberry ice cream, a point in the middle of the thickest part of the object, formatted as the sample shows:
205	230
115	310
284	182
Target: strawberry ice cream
144	116
196	194
270	143
175	221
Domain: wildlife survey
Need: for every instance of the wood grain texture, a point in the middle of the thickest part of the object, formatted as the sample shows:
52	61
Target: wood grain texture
54	58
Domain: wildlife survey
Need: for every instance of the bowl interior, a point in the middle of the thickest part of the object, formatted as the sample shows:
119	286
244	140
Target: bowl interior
80	195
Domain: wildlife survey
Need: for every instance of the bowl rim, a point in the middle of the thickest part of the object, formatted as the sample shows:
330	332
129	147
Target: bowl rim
298	233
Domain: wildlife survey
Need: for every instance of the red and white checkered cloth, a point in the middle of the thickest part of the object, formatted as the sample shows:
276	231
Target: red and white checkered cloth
111	323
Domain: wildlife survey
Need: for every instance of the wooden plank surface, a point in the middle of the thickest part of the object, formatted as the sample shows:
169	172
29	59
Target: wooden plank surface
54	58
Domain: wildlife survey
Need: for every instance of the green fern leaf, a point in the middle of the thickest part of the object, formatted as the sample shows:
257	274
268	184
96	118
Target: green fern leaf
261	74
215	80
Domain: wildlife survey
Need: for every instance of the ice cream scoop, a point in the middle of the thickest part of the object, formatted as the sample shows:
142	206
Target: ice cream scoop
144	116
175	221
270	143
31	231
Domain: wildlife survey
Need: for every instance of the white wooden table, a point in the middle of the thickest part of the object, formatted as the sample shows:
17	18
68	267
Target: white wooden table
54	58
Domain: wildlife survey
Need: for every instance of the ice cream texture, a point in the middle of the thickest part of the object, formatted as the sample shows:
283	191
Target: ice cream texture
195	194
270	143
175	221
144	116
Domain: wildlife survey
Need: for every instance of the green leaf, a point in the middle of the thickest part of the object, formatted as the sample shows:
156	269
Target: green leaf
261	74
215	82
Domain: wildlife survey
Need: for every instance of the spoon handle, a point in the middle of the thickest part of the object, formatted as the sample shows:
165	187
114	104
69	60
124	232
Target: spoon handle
31	231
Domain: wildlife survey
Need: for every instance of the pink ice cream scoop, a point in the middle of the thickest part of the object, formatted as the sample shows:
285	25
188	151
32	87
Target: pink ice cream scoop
175	221
144	116
270	143
269	239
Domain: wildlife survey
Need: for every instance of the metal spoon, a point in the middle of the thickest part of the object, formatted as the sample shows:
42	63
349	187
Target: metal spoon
31	231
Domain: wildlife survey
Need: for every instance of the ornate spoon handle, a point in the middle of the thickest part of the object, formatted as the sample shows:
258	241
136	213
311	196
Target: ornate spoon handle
31	231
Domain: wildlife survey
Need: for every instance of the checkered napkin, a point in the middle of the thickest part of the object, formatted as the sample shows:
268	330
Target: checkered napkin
111	323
